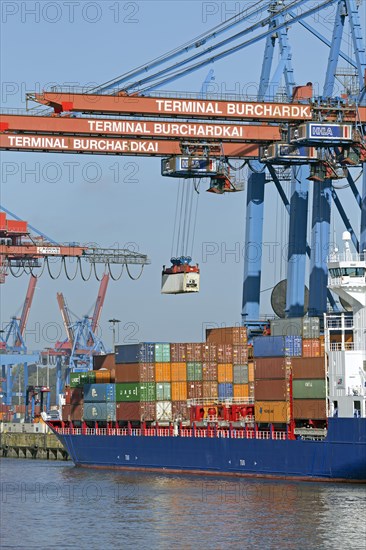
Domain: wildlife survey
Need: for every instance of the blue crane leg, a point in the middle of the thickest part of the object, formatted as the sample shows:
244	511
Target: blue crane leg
363	211
25	371
253	245
59	387
297	244
322	196
9	385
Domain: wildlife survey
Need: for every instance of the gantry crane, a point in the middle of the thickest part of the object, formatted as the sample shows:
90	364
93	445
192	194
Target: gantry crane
318	138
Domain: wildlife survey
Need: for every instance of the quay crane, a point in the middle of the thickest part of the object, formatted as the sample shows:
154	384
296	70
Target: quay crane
314	138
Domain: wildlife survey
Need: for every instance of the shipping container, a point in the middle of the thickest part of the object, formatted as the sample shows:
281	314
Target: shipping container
194	352
180	411
103	412
306	327
312	347
99	393
179	391
104	361
144	352
225	373
128	392
75	380
178	353
224	353
309	389
209	352
178	372
148	391
194	371
77	411
240	354
163	372
194	390
306	409
163	391
241	390
209	371
135	372
87	377
163	411
272	411
278	346
137	411
272	368
210	389
76	395
308	367
227	335
102	376
251	371
293	346
225	391
162	353
271	390
240	374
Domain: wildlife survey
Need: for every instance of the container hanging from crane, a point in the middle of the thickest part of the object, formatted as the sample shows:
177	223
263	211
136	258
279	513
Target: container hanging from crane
180	277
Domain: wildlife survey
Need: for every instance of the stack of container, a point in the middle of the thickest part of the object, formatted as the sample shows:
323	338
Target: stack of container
309	388
272	370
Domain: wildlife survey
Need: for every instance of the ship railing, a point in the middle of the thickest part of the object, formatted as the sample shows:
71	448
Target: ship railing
346	346
186	432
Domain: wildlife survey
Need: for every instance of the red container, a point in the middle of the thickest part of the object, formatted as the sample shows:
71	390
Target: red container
135	372
271	368
308	367
210	390
194	352
227	335
66	413
139	412
76	396
224	353
209	352
104	361
178	353
306	409
209	371
271	390
67	395
312	347
77	411
240	355
194	390
180	410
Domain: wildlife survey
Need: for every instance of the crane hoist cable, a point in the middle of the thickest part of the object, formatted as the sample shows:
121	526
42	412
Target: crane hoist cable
183	234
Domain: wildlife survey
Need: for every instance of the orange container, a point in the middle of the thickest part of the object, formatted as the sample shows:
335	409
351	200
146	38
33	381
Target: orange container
312	347
179	391
241	390
251	371
225	372
102	376
272	411
163	372
178	374
227	335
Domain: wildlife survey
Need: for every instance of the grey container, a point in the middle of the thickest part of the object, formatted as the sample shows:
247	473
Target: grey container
100	412
307	327
240	374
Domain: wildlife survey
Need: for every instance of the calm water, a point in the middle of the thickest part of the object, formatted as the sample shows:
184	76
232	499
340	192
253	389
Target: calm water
55	505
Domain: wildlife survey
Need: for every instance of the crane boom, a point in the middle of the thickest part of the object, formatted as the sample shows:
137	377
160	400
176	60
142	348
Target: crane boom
26	308
65	317
100	301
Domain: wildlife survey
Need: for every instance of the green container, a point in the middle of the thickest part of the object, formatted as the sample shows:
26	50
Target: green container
128	392
75	380
87	377
148	391
309	389
163	391
162	353
194	371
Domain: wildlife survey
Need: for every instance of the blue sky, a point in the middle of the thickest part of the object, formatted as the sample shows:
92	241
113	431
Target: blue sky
126	200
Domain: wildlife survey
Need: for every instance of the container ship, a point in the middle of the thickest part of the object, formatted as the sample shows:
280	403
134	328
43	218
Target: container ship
290	404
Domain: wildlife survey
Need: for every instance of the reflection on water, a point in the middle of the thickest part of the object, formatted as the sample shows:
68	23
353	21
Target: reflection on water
78	508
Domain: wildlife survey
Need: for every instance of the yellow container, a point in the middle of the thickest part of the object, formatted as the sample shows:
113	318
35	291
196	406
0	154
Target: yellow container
178	372
179	391
225	373
162	372
251	371
272	411
241	390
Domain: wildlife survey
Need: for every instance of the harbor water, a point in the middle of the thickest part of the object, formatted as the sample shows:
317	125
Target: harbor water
55	505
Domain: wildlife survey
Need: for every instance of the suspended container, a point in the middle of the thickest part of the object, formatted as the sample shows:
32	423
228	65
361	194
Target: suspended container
181	277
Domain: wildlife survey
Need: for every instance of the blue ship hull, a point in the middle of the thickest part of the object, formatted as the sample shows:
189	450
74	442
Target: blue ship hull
340	456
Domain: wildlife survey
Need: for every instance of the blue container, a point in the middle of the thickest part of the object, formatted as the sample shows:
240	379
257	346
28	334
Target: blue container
225	390
102	412
293	346
135	353
99	393
269	346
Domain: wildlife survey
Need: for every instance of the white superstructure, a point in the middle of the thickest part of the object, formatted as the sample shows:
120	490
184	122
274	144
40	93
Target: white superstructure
347	355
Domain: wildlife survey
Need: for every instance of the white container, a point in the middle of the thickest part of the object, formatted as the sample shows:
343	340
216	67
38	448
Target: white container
180	283
163	411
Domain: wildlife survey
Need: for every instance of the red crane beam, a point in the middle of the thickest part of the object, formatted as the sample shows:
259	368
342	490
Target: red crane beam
138	128
26	307
100	301
114	146
177	107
